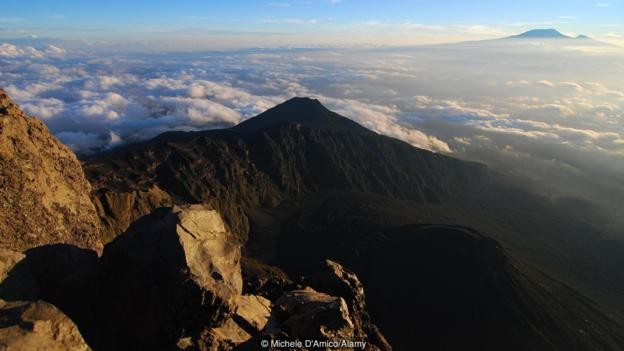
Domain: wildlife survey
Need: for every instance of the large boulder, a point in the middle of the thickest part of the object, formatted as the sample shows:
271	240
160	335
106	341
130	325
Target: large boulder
171	277
37	326
44	196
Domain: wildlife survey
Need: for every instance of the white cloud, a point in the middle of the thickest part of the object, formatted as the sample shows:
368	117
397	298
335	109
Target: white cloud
545	83
483	102
10	50
44	108
573	85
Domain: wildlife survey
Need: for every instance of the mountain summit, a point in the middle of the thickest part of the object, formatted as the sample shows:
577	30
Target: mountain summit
542	34
301	111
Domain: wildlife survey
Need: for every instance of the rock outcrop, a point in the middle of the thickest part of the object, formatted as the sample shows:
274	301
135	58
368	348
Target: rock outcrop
44	196
307	314
173	275
37	326
331	278
328	306
173	281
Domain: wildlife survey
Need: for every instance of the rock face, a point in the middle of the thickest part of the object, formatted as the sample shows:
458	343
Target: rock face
331	278
37	326
173	275
118	210
308	314
44	196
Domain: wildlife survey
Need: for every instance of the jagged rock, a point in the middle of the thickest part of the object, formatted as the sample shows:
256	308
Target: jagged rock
331	278
308	314
37	326
44	196
173	275
222	338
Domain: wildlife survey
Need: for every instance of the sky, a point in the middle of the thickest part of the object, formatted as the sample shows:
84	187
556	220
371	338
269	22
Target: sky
182	25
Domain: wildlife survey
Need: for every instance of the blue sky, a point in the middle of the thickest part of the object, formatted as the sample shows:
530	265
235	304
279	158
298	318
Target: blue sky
320	22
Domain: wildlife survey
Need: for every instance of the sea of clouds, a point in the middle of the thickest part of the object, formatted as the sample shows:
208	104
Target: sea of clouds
551	112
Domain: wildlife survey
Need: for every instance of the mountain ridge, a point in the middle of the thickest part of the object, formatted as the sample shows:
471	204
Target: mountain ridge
278	168
302	186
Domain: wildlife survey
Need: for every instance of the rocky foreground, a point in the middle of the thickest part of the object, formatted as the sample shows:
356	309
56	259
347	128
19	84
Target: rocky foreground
270	232
172	280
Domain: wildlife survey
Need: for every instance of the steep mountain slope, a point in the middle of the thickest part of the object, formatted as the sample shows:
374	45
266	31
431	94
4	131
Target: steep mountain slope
293	149
441	287
44	197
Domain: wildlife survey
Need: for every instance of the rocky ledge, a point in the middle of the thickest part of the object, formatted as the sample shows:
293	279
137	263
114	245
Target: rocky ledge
44	196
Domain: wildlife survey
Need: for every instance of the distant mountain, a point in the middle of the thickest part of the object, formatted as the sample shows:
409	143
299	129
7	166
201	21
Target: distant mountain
545	34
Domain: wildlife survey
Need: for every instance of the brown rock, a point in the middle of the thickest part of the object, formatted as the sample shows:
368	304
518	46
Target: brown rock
253	311
37	326
117	210
308	314
44	196
173	275
251	315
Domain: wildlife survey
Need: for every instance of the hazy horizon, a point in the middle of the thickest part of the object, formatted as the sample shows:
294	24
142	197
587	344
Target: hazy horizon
193	25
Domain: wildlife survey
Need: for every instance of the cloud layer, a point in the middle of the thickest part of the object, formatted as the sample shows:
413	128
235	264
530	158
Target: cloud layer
550	112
